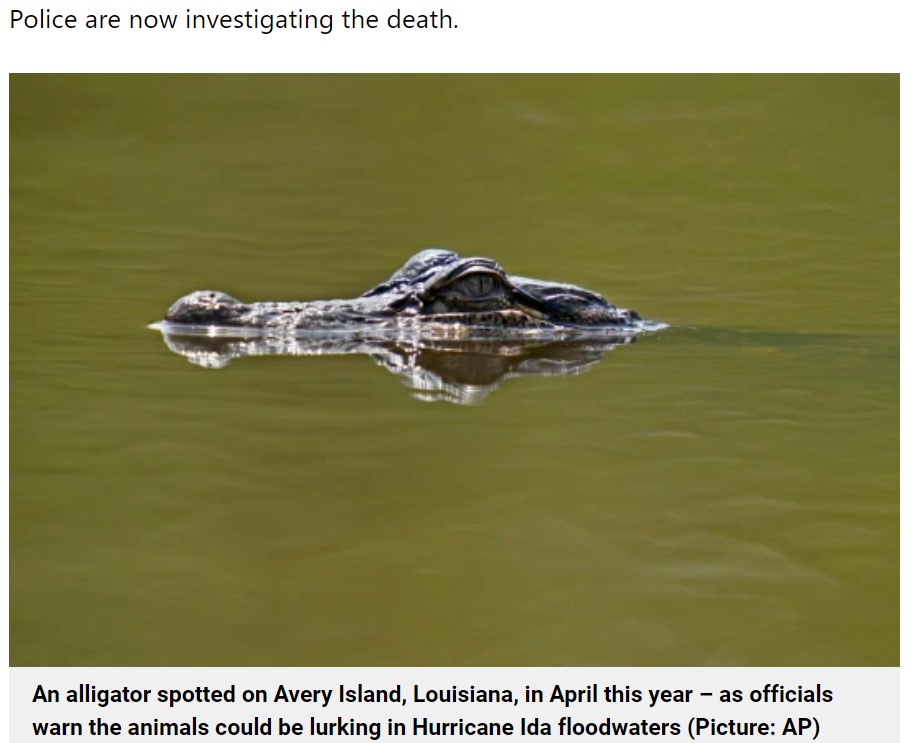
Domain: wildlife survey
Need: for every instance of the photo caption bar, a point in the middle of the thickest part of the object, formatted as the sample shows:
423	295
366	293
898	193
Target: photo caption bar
825	704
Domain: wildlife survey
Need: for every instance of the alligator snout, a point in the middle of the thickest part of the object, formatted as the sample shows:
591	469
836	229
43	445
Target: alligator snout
204	307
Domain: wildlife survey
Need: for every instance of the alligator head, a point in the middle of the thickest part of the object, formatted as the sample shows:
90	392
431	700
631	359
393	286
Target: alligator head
435	293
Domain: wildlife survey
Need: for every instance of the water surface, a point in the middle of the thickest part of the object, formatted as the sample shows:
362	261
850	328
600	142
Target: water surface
725	492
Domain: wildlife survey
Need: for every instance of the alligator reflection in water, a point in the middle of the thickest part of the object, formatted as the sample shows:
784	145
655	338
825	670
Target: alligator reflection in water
462	372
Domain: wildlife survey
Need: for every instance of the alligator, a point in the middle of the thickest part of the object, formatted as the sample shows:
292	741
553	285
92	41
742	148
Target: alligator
435	294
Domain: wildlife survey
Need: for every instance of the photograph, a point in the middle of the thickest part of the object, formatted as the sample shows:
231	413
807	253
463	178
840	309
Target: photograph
436	370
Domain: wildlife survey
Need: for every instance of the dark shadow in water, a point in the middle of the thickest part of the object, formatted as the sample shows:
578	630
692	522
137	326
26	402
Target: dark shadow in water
458	371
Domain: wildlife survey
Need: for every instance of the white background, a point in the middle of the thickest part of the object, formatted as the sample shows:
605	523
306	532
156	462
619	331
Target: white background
507	36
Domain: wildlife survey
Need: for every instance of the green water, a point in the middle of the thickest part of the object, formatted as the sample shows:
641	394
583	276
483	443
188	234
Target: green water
723	493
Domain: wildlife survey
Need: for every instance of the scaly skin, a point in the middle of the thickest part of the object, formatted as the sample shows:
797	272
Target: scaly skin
435	293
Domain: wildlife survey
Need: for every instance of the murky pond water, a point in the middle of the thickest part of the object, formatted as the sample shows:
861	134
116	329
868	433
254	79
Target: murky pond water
724	492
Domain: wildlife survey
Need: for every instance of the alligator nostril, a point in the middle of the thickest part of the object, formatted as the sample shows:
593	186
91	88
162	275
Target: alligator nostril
202	307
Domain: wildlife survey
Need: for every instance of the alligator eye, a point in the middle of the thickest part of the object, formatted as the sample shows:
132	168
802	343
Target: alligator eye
473	291
476	285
